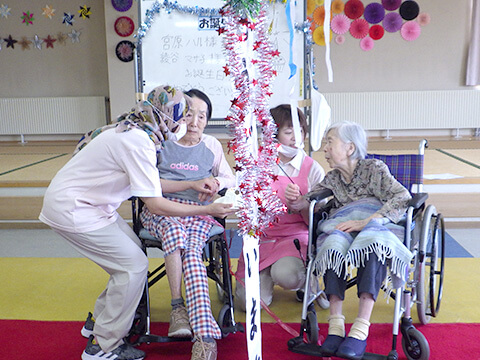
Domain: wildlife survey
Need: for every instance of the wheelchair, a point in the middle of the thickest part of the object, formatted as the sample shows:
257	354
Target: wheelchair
424	236
217	261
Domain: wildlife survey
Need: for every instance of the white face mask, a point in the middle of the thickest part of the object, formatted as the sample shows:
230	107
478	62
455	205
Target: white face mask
181	131
289	151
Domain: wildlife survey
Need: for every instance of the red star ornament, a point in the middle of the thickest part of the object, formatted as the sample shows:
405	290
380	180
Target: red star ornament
49	41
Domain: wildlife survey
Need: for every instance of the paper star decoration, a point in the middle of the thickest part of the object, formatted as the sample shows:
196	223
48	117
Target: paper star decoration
37	42
25	43
62	38
27	18
4	11
10	42
1	42
48	11
84	12
75	36
68	19
49	41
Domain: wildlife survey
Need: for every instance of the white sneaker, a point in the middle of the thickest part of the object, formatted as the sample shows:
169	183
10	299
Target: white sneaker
93	351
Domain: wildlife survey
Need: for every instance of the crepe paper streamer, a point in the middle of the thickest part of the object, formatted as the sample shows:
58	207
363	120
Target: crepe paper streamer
291	65
359	28
124	26
122	5
410	30
310	6
391	5
338	6
374	13
340	24
319	36
392	22
328	38
409	10
124	50
354	9
423	19
366	44
376	32
340	39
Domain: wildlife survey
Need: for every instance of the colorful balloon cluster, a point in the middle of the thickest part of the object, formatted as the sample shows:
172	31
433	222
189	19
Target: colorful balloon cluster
249	54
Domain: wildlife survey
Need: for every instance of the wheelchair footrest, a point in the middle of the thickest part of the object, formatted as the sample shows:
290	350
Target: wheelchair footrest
238	327
297	345
159	339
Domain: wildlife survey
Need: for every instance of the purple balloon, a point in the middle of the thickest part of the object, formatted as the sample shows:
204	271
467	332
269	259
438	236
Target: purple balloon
392	22
374	13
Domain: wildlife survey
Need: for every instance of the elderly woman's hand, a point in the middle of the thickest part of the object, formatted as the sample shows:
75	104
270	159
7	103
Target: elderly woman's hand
356	225
219	210
207	188
294	199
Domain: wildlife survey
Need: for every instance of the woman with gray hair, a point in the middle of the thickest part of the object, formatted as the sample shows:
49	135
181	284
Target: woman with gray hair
360	232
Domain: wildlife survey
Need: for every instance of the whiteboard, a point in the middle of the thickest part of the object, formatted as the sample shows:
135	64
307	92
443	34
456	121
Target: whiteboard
180	50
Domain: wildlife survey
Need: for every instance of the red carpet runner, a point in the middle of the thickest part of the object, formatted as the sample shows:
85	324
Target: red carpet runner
47	340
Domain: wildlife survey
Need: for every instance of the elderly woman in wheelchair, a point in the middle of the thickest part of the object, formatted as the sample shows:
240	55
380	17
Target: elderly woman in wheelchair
195	160
360	231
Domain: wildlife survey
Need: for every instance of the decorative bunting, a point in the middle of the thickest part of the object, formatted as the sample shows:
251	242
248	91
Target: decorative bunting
27	18
62	38
48	11
37	42
84	12
49	41
5	11
74	36
68	19
10	42
25	43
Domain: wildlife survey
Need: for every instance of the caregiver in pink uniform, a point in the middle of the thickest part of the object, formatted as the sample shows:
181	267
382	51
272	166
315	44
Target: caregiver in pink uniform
110	165
280	262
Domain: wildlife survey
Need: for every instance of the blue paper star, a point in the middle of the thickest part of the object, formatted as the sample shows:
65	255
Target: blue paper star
68	19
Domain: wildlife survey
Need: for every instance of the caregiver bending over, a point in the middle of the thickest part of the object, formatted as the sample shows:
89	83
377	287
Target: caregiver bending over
360	232
110	165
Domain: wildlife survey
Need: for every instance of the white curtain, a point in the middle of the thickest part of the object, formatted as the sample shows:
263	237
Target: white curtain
473	61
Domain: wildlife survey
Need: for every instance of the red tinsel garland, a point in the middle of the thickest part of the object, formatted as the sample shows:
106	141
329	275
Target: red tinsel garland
249	56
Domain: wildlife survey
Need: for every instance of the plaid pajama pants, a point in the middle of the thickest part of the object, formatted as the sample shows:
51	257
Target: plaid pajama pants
188	234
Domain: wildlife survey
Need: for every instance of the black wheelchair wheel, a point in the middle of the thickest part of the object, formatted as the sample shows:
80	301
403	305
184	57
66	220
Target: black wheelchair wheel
311	328
431	267
225	320
415	346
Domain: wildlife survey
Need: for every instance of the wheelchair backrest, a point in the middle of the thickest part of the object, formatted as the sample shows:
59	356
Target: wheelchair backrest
407	169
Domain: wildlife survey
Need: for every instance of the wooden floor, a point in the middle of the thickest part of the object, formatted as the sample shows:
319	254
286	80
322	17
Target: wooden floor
452	167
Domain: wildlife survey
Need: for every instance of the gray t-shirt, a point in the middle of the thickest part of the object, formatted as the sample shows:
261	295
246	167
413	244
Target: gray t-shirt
180	163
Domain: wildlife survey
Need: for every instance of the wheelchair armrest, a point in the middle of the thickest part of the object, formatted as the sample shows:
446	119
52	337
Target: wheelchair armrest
418	200
322	194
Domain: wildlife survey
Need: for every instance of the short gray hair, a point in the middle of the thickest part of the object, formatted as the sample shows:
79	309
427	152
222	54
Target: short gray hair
350	132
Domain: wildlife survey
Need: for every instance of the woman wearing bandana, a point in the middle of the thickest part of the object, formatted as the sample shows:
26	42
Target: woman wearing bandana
110	165
280	260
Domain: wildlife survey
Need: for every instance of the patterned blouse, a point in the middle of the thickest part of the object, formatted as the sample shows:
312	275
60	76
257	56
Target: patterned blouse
371	178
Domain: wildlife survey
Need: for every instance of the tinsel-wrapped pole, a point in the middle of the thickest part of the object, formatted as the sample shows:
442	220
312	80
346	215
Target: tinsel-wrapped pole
249	56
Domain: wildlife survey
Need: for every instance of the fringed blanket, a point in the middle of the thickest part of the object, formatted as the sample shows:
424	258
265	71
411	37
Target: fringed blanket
338	250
